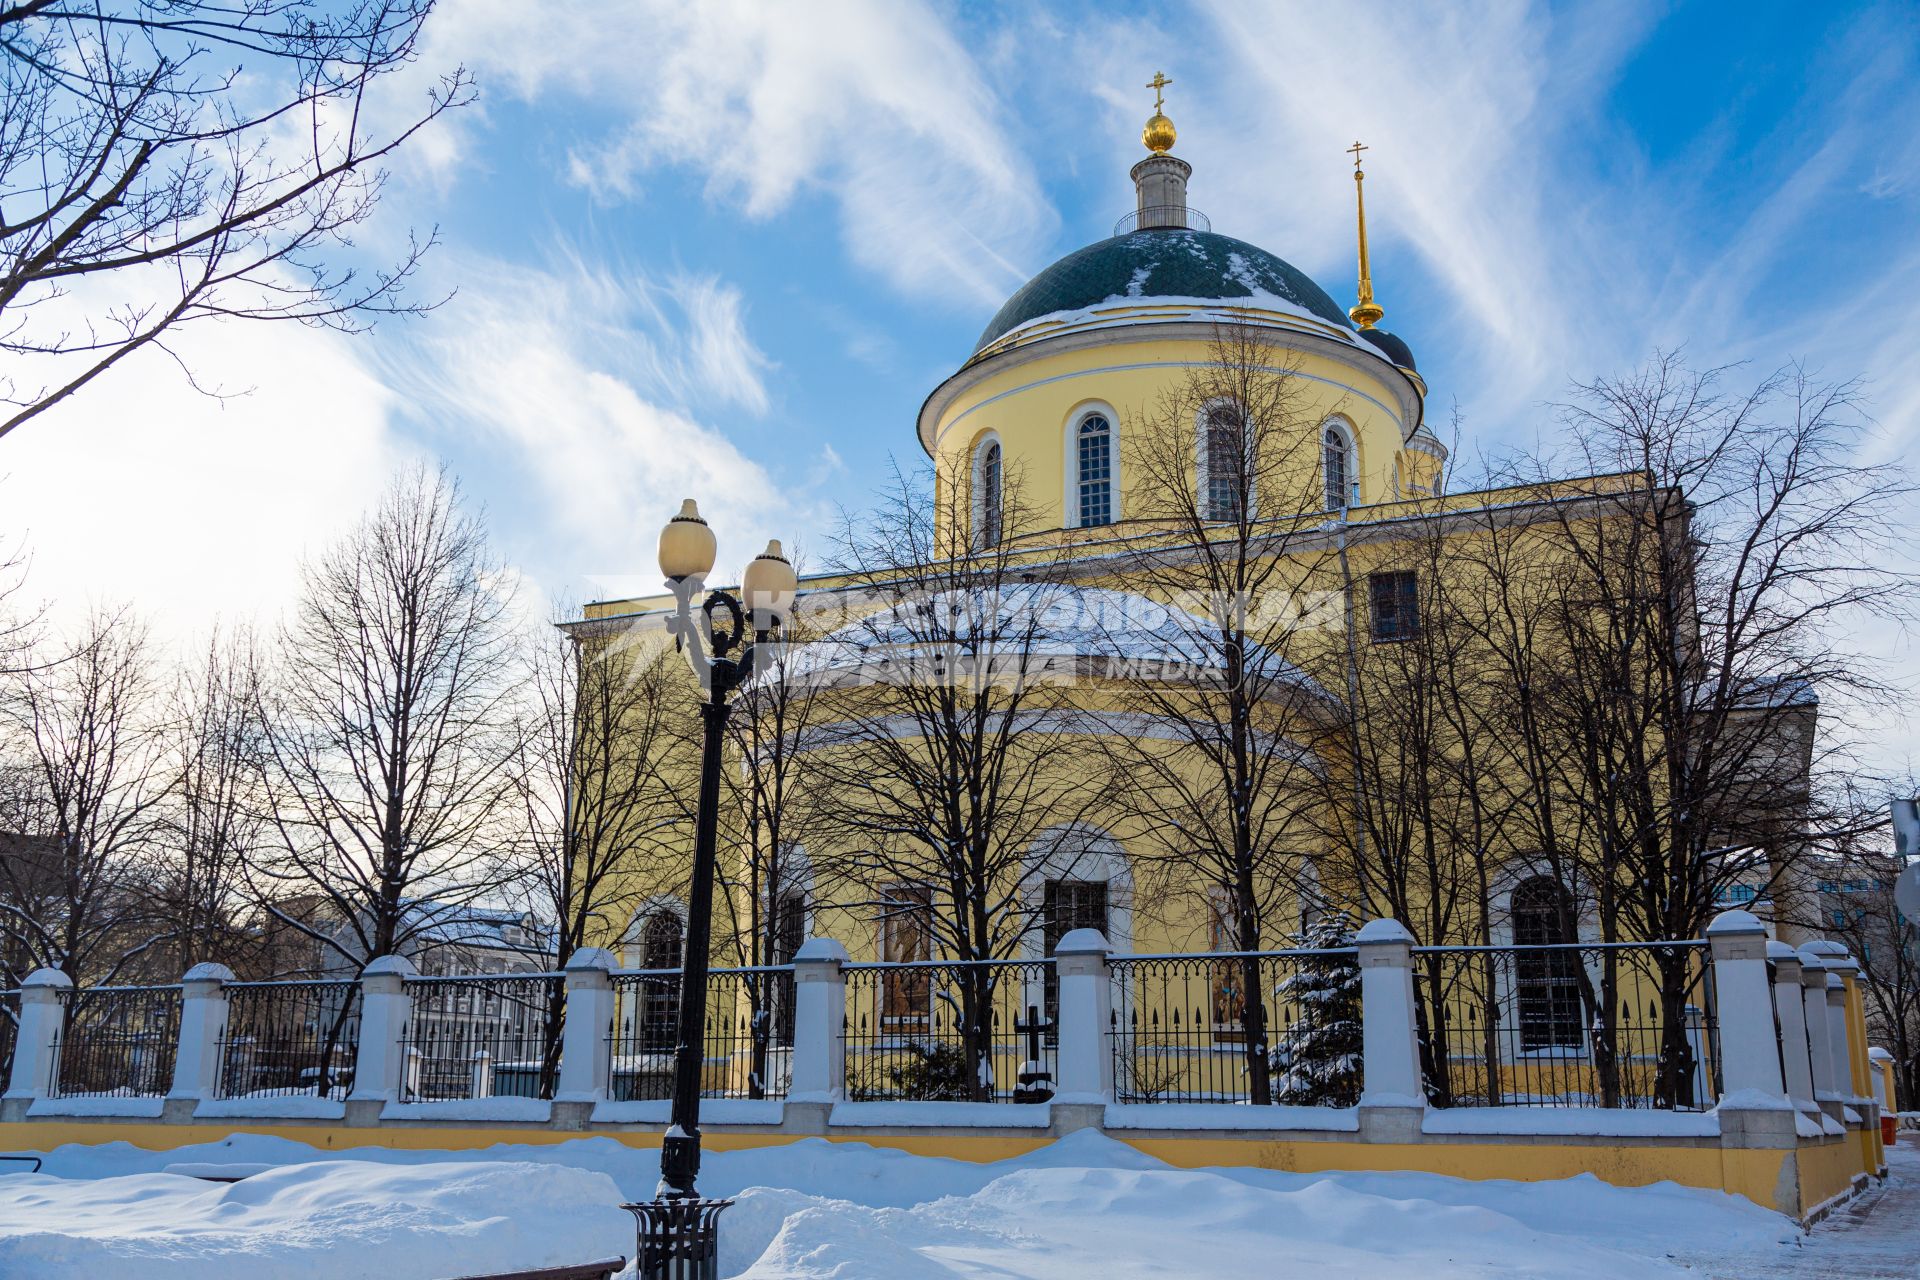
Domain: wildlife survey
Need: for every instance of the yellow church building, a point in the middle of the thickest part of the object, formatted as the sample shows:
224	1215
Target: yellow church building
1106	671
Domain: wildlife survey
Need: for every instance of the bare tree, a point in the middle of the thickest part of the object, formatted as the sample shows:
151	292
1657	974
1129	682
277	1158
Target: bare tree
390	728
169	161
213	825
595	824
87	781
943	772
775	804
1695	617
1226	815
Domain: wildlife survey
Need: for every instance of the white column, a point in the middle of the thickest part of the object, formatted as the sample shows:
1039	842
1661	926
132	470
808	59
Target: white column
1392	1054
1813	994
41	1011
1084	1065
203	1021
1749	1050
586	1039
819	1022
385	1008
1791	1008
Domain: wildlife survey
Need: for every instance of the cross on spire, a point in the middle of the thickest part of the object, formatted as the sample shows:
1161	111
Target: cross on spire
1158	84
1355	151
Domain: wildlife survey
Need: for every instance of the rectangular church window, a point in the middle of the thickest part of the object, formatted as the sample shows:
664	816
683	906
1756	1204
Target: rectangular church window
905	936
1395	599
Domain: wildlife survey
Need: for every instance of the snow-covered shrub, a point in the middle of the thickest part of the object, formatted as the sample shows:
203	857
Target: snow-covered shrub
1318	1048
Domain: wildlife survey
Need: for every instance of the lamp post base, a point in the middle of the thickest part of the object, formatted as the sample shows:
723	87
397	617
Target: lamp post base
678	1239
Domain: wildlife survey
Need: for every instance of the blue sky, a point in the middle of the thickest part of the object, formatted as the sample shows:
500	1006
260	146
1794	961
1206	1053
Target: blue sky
726	250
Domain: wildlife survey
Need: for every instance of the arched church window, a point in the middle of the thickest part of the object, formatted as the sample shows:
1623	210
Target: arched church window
1546	982
1225	463
1336	453
988	509
659	1012
1094	442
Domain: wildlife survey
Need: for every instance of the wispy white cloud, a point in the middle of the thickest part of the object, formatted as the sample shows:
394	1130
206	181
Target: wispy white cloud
873	103
582	390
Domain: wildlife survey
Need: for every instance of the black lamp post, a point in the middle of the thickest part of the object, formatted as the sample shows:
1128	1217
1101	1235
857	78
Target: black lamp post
678	1236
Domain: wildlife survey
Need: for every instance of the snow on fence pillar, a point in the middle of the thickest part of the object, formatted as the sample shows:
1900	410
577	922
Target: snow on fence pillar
203	1021
1883	1079
1813	993
482	1082
1391	1075
41	1010
819	1022
586	1039
1791	1009
385	1008
1749	1056
1084	1067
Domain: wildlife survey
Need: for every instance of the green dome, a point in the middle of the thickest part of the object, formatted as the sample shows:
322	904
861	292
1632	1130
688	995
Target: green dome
1162	263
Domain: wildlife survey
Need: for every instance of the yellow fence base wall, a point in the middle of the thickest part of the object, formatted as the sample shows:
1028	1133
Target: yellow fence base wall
1798	1183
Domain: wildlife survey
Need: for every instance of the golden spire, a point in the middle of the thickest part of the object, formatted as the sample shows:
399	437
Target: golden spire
1366	313
1158	135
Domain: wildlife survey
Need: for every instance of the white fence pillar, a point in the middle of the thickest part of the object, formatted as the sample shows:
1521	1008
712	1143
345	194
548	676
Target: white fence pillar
1837	1031
1392	1054
1084	1066
1749	1052
819	1022
385	1008
1790	1007
586	1039
1813	993
482	1083
1883	1082
41	1012
203	1022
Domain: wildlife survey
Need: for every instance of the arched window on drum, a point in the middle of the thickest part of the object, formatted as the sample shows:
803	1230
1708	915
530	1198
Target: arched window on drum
1337	467
1093	471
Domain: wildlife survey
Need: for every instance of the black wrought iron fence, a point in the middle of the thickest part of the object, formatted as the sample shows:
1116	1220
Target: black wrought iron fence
485	1036
116	1042
286	1039
9	1033
946	1030
747	1041
1254	1027
1574	1025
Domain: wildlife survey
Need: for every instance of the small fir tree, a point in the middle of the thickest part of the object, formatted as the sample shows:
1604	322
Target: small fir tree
1317	1059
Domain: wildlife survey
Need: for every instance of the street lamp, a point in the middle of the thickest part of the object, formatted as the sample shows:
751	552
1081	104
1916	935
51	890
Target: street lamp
721	644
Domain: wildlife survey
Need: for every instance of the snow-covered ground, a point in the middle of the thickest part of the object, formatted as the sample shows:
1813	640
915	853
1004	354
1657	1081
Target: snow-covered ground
1084	1206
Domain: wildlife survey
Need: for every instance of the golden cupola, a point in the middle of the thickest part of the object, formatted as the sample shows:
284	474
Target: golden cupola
1158	136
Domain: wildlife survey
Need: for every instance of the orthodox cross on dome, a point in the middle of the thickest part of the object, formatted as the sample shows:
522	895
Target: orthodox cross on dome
1158	135
1366	313
1157	84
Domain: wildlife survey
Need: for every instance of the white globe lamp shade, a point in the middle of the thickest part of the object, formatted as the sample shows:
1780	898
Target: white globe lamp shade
686	544
768	588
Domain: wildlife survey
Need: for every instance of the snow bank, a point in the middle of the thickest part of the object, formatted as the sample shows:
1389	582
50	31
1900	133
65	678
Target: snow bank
1085	1205
343	1219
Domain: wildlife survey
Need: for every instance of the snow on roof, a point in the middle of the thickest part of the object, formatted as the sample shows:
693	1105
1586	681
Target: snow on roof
1026	625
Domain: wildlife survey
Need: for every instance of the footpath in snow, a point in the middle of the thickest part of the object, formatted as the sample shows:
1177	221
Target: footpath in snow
1083	1206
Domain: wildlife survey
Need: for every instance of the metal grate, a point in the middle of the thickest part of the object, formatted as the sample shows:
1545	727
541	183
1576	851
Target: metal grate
9	1033
1251	1027
747	1047
288	1039
492	1036
1625	1025
116	1042
932	1030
